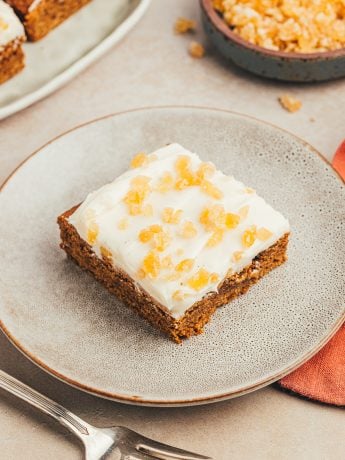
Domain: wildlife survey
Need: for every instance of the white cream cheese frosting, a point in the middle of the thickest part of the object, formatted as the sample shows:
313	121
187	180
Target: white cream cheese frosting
10	26
177	225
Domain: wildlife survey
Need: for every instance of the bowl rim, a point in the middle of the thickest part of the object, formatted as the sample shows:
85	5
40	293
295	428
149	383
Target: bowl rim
224	29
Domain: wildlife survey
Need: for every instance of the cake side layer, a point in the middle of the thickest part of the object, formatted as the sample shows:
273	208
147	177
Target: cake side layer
126	289
40	18
12	61
21	6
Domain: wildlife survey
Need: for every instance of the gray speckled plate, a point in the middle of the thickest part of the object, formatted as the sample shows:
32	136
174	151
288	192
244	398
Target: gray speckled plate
69	325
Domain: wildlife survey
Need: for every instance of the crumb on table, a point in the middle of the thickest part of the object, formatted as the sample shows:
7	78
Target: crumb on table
196	50
184	25
290	103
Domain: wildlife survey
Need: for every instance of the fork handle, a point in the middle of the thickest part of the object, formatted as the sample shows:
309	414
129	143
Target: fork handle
50	407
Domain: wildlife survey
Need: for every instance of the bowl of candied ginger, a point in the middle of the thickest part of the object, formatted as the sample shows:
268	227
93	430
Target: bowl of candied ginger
291	40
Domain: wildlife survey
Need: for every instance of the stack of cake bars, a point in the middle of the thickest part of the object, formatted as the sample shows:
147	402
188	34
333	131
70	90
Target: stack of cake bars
31	19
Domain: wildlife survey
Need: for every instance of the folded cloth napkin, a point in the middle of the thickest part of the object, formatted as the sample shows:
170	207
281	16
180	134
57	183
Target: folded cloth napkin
323	377
339	160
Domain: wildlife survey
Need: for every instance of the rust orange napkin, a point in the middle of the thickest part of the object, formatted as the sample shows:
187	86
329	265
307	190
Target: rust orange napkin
339	160
323	377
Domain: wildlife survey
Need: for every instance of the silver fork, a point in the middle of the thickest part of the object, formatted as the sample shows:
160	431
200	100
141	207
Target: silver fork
117	443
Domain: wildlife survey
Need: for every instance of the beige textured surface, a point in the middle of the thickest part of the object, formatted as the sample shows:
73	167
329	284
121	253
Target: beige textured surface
151	67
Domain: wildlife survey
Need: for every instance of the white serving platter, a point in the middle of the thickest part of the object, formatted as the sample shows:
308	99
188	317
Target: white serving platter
68	50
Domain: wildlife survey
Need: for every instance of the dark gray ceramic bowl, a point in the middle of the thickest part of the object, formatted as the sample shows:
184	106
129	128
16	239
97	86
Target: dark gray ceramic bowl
298	67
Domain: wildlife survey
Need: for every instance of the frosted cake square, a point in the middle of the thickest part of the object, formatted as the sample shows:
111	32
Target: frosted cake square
174	238
41	16
12	36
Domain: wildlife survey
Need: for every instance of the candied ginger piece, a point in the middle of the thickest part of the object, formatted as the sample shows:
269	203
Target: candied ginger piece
248	237
218	5
188	230
3	24
146	234
205	170
216	220
178	295
106	254
237	256
243	212
156	235
196	50
231	220
92	232
214	277
151	265
213	217
290	103
263	234
171	216
184	25
211	189
140	182
161	241
165	183
201	279
182	163
185	177
215	239
138	191
185	265
139	160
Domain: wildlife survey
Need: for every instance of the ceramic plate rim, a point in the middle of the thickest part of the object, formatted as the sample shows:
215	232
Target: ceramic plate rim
78	66
181	402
